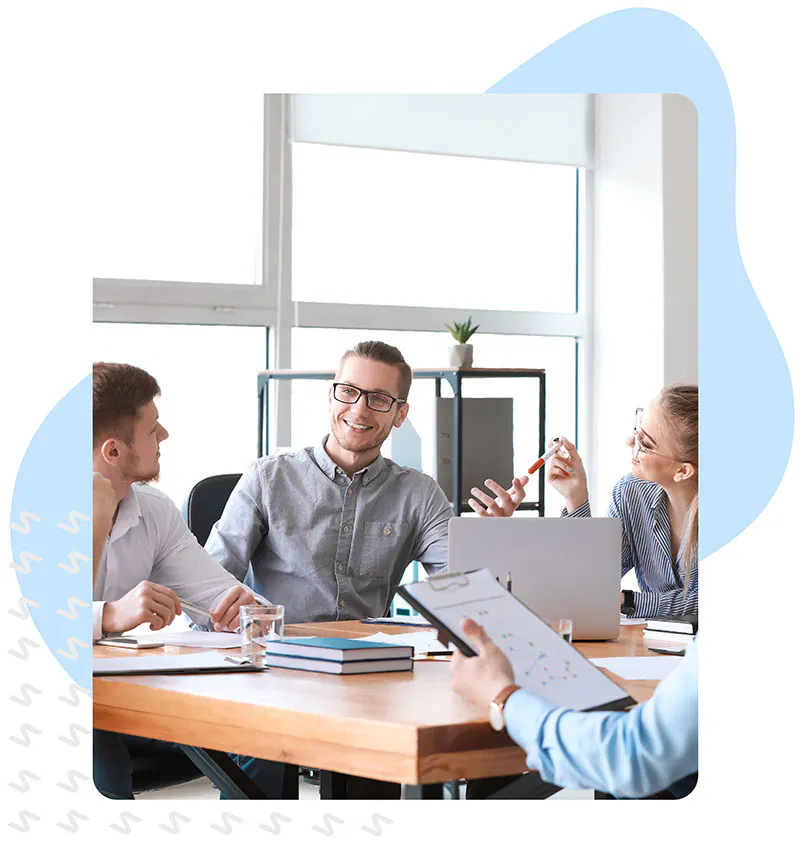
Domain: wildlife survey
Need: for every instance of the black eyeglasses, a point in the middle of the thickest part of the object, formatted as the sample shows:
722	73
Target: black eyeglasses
377	401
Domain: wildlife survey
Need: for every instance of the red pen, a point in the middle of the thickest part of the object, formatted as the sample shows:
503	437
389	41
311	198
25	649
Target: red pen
545	456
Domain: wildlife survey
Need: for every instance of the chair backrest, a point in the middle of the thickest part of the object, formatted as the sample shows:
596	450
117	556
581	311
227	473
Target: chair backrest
204	503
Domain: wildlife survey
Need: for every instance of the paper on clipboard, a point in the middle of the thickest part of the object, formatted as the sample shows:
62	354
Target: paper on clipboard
542	661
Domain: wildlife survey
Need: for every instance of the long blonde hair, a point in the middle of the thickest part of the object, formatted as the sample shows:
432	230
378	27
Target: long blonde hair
680	404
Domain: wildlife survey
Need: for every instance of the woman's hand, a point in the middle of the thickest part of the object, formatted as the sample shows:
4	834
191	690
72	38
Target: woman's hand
482	678
566	474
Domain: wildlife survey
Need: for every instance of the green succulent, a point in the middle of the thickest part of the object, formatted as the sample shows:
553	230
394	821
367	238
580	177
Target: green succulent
464	331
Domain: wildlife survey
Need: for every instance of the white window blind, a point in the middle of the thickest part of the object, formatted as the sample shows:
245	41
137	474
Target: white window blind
545	128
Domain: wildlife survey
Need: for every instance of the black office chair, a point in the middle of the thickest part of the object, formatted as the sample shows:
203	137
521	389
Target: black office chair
204	503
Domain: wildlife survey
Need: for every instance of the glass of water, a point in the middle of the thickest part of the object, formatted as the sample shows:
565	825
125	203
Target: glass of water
562	626
259	625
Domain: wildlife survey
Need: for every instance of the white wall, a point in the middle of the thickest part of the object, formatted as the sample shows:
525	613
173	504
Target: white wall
645	268
679	137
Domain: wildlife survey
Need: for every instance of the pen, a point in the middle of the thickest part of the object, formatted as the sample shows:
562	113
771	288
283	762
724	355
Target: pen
545	456
194	608
508	581
396	623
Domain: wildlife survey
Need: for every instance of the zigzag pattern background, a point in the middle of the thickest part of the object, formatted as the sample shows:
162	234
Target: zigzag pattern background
51	534
24	698
73	526
25	519
24	609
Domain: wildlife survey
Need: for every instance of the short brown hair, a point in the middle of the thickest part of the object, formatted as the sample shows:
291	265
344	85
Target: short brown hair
119	391
382	352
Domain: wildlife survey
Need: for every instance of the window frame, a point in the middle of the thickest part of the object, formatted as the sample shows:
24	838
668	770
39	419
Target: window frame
270	304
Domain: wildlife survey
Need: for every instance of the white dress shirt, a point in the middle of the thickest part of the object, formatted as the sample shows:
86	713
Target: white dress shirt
150	541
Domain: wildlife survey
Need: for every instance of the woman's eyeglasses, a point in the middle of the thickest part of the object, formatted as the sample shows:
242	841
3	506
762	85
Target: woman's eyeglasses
377	401
638	447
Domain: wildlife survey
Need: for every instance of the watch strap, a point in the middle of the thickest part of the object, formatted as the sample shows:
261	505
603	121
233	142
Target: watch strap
504	695
628	607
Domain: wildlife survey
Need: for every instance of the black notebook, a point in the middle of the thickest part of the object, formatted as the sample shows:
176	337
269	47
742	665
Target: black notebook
674	623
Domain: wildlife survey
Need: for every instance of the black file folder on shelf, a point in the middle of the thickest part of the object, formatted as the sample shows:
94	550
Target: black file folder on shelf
543	662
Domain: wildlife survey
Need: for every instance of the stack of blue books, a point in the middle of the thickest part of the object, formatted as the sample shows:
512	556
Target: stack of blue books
338	656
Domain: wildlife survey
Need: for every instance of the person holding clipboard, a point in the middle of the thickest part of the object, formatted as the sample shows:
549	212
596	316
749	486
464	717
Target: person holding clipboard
649	751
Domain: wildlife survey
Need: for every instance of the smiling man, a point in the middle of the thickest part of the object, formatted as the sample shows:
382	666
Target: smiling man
329	530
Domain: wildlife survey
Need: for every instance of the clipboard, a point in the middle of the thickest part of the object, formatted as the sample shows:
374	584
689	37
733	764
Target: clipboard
543	662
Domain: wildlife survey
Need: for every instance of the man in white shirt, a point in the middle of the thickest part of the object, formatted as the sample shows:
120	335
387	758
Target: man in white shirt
150	559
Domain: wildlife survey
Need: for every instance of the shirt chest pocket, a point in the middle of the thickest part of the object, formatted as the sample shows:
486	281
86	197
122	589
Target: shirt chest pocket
384	550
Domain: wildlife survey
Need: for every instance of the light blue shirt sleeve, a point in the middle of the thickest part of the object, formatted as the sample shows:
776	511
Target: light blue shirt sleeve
629	755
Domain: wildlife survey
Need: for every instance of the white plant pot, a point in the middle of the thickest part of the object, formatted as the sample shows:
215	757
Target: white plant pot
461	356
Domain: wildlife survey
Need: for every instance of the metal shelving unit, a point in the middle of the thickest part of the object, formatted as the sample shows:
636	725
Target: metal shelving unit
454	377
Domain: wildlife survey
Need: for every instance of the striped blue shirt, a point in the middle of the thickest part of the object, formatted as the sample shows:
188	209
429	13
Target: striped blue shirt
641	507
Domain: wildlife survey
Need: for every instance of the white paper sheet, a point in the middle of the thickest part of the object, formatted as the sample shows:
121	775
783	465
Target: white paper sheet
196	639
639	668
423	641
623	620
146	664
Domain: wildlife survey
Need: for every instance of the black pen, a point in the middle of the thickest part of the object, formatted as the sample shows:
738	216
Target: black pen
508	581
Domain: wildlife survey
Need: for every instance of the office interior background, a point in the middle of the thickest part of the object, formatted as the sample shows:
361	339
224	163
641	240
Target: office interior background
282	229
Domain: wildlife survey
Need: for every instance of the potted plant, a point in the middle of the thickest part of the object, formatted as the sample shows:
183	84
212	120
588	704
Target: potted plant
461	352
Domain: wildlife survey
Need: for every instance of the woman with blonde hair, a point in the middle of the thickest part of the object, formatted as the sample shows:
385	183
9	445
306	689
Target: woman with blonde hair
656	503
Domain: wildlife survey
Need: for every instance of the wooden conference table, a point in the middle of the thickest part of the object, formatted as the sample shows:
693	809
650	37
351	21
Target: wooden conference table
407	728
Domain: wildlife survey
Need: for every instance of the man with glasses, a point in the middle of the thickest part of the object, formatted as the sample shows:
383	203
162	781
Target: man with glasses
329	530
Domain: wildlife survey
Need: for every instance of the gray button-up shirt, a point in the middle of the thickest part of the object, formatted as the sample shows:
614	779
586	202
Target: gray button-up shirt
325	546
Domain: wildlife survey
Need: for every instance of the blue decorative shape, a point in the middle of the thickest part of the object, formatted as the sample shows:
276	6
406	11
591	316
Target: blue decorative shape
745	387
51	531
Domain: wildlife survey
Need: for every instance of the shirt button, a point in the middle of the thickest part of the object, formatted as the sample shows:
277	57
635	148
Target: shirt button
387	531
346	529
341	603
340	567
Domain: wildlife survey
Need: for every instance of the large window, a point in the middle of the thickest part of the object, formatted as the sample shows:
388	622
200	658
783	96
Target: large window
413	229
208	384
178	186
352	236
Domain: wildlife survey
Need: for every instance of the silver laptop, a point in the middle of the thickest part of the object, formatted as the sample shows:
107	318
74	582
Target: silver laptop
559	567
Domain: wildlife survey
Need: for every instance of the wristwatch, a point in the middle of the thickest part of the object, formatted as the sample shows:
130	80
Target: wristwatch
497	707
627	607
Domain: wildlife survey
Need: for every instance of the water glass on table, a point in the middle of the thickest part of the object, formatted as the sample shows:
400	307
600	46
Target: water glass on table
259	624
562	626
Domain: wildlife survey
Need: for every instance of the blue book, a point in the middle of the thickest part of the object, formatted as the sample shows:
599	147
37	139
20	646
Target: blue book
337	650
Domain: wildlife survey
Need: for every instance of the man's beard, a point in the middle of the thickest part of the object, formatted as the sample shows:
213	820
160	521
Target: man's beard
364	447
138	477
154	479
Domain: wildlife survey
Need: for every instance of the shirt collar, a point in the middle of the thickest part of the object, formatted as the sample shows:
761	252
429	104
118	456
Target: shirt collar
129	515
329	467
657	495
